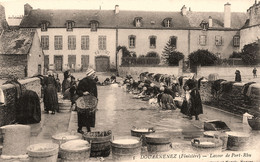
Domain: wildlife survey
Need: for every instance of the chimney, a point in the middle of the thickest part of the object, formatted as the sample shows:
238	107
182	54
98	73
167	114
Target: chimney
116	9
27	9
210	22
183	10
3	22
227	15
2	13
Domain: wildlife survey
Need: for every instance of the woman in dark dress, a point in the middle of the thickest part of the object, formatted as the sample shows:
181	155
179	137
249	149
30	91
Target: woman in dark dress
66	81
194	104
50	94
238	76
87	86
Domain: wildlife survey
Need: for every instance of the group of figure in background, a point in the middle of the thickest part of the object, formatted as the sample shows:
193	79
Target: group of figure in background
238	74
168	89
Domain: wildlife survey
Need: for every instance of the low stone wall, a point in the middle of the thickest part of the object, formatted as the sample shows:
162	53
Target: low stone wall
7	111
233	100
136	71
227	73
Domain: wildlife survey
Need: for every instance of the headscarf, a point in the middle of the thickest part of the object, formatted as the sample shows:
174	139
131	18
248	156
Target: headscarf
90	71
50	72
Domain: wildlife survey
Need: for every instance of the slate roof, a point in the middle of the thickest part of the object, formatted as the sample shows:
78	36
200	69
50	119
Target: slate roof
16	42
125	19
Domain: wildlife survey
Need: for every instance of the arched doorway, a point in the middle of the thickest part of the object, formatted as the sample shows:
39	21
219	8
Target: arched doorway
102	63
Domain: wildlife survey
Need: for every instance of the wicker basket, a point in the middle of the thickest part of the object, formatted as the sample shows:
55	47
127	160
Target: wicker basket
87	102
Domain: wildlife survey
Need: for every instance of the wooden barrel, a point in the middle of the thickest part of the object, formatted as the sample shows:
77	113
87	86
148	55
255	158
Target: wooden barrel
126	149
216	134
206	144
237	140
43	152
64	105
158	142
141	132
100	143
75	151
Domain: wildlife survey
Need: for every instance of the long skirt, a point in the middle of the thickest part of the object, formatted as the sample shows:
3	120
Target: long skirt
86	118
51	98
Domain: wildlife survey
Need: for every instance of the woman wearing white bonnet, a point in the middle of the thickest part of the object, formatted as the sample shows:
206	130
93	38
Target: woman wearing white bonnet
86	86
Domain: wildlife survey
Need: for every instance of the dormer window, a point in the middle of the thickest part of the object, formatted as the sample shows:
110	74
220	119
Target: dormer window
167	22
44	25
138	22
204	25
94	25
70	25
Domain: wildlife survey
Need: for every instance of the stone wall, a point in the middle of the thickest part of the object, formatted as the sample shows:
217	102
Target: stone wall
136	71
7	111
12	65
233	100
227	73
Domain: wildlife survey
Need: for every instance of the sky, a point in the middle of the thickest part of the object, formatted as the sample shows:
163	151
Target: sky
15	7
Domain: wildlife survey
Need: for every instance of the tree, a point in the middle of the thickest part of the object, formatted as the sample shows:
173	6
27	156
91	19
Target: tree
125	52
170	56
202	57
251	53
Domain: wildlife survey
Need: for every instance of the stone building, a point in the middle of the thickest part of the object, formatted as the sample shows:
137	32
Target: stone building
81	38
20	54
251	30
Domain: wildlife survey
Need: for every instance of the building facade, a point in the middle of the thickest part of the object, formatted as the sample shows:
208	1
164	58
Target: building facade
77	39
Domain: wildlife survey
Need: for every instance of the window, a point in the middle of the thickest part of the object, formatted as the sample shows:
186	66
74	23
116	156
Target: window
138	22
44	27
102	42
218	40
202	40
45	42
131	41
173	41
58	42
71	42
236	41
152	41
85	42
93	25
167	22
204	25
70	25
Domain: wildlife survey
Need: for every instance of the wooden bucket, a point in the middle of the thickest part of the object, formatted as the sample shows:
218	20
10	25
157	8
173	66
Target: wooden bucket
16	138
43	152
126	149
206	144
158	143
216	134
64	105
65	137
75	151
100	143
237	140
141	132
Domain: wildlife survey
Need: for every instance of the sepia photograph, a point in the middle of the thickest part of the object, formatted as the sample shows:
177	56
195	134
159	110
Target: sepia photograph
129	80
